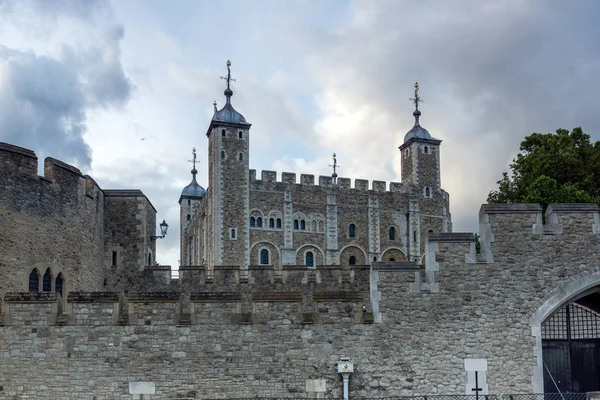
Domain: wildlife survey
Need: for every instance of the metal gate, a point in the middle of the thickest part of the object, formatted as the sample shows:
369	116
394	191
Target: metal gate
571	350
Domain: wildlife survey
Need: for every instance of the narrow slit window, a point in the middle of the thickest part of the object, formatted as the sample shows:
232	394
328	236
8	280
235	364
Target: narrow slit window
278	223
303	225
296	224
47	281
271	222
392	233
426	150
232	233
241	157
58	284
352	230
427	192
34	281
252	221
240	134
114	258
310	259
223	133
149	258
415	236
259	222
222	155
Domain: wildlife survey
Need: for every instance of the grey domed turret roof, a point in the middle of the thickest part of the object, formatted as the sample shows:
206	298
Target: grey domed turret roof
417	131
193	191
228	113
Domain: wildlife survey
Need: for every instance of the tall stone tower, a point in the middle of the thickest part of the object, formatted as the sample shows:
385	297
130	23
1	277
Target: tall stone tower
189	200
228	157
429	203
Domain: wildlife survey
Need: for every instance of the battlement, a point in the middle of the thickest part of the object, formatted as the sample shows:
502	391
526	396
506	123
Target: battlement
325	181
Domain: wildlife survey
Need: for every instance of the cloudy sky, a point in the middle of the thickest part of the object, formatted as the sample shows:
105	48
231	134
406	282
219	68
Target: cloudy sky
124	89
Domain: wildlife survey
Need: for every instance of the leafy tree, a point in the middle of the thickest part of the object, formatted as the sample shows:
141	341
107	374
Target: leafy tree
552	168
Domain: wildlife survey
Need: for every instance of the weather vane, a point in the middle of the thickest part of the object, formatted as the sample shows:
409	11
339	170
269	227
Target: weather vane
194	157
335	167
416	100
228	78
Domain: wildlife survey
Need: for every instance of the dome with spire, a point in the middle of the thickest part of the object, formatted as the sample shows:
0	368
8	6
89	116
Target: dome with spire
228	113
417	131
193	190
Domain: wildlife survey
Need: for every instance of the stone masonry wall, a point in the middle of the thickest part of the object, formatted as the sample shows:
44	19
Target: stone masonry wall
479	310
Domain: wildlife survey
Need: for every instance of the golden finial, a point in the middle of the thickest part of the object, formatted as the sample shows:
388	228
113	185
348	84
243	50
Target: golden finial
416	100
228	63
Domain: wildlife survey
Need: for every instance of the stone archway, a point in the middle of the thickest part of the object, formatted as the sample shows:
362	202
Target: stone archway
561	297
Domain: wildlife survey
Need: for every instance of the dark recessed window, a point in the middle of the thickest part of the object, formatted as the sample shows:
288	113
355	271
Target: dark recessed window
259	222
114	258
427	192
310	259
271	222
223	133
352	260
264	257
392	259
58	284
414	236
34	281
189	217
240	134
47	281
278	223
426	150
392	233
241	157
352	230
149	258
222	155
302	225
252	221
295	224
233	233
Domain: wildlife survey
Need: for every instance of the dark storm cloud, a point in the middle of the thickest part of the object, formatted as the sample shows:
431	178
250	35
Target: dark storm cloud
44	98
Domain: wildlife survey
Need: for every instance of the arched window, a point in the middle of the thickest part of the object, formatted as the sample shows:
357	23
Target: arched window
302	225
427	192
223	133
264	257
232	233
271	222
240	134
295	224
352	230
392	233
278	223
392	259
426	150
58	284
375	258
241	157
34	281
189	217
222	155
352	260
47	281
252	221
310	259
259	222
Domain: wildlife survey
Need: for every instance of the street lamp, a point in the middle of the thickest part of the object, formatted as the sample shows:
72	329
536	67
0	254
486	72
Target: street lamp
164	227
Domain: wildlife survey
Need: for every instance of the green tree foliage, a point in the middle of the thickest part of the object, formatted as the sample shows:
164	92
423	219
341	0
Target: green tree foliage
552	168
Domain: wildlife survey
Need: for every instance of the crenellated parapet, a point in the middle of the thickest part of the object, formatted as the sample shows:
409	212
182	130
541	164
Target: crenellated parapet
324	181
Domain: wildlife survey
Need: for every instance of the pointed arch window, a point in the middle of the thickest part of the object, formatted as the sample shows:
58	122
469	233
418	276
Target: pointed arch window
303	225
252	221
271	222
392	233
259	222
296	224
47	281
309	259
58	284
352	230
34	281
264	257
278	223
352	260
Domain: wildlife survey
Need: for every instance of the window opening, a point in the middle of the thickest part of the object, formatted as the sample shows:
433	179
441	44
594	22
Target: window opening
352	260
47	281
222	155
427	192
259	222
34	281
252	221
392	233
414	236
352	230
189	217
392	259
264	257
426	150
309	259
295	224
114	258
233	233
302	225
58	284
223	133
241	157
271	222
240	134
278	223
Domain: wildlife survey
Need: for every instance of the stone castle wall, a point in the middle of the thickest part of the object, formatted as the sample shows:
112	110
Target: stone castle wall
66	223
269	333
